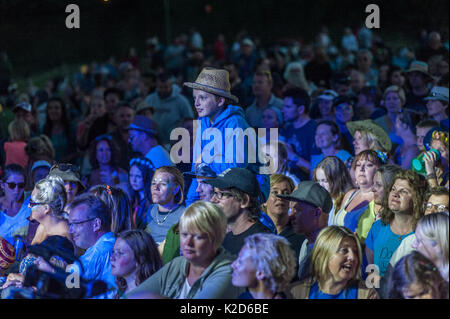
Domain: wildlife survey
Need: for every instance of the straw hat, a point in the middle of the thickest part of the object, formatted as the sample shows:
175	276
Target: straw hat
419	66
214	81
372	127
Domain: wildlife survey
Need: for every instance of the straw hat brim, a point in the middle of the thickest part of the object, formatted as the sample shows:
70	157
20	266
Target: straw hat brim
212	90
375	129
421	71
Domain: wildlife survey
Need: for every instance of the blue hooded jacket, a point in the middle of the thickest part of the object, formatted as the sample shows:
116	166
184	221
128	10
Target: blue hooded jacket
232	117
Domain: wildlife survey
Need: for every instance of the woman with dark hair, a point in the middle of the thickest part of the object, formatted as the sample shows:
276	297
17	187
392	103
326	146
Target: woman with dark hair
135	258
104	158
277	153
117	201
58	128
416	277
332	174
402	207
405	128
14	209
139	185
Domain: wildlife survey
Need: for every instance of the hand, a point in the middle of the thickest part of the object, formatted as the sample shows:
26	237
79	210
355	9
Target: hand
15	280
429	158
290	152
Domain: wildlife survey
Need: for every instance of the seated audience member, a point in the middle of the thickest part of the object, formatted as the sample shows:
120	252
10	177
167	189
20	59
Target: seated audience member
416	277
265	266
170	247
278	211
90	227
104	159
405	128
436	200
14	209
272	117
70	175
335	269
357	200
134	259
437	105
367	106
237	192
367	135
431	240
143	139
118	204
167	196
332	174
204	269
394	99
310	206
436	169
328	141
401	209
277	153
381	181
47	203
19	134
139	188
325	105
39	170
422	128
299	129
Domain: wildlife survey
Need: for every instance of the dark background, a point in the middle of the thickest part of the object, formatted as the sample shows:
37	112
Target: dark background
34	35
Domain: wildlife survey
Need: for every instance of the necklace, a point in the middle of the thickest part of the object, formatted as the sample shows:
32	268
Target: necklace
159	222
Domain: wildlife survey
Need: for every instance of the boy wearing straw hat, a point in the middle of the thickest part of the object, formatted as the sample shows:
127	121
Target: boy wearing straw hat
213	103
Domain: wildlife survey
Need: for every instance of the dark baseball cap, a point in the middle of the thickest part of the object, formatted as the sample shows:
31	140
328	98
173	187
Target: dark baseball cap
143	123
202	170
312	193
240	178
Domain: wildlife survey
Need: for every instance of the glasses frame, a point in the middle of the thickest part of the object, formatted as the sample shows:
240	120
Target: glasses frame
19	185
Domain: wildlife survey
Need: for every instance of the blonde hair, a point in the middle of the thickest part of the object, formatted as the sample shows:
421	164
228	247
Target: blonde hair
19	130
435	227
205	217
273	256
52	192
326	245
178	179
395	89
295	75
371	141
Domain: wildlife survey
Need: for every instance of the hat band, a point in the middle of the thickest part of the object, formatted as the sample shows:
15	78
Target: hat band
214	88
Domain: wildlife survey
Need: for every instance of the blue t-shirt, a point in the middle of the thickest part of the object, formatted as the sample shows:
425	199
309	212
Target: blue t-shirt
347	293
301	139
383	242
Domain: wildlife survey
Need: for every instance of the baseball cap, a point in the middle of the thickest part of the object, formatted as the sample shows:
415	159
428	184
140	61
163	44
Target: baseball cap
240	178
328	95
202	170
40	164
24	106
438	93
312	193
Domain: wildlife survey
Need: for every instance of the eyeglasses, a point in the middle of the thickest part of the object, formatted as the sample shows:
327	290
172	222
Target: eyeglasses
65	167
440	208
80	222
13	185
220	195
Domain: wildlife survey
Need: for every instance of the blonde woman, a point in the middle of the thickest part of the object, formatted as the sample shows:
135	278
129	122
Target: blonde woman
432	240
295	76
265	265
204	269
19	133
335	269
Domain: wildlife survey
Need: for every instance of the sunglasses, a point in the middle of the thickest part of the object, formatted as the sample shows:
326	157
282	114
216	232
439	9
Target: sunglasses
13	185
65	167
31	204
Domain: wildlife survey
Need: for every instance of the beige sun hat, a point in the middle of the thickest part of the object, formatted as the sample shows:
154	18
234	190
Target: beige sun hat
215	81
375	129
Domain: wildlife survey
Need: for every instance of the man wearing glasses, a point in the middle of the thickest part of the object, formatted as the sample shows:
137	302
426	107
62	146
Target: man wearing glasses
236	190
90	228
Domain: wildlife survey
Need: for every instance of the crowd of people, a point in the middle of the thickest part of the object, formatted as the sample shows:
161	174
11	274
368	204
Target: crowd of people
350	199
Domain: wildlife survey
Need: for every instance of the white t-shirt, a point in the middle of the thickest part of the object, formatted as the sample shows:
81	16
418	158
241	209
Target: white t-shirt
184	290
404	249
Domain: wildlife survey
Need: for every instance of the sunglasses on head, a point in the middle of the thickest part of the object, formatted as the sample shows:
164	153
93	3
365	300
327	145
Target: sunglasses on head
65	167
13	185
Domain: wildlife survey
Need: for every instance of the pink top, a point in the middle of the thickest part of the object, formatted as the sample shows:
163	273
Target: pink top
15	153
